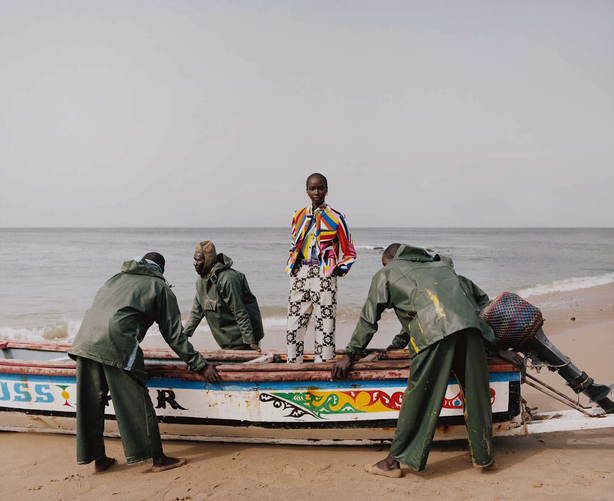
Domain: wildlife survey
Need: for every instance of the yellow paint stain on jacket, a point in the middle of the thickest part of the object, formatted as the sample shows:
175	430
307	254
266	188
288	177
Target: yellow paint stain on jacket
438	308
419	326
413	344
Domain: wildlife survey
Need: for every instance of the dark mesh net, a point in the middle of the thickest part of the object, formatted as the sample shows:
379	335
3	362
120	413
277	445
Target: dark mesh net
514	320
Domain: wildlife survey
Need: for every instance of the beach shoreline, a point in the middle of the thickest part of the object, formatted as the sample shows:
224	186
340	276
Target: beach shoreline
576	465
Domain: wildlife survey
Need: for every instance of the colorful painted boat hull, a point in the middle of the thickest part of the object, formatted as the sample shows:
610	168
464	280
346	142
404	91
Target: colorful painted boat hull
362	411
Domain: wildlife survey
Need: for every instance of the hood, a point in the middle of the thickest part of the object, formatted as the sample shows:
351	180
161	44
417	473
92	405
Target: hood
141	268
445	259
409	253
223	263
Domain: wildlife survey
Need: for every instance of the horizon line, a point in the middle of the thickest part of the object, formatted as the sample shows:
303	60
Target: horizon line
285	227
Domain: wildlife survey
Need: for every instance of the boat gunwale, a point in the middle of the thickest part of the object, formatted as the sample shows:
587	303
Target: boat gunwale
383	369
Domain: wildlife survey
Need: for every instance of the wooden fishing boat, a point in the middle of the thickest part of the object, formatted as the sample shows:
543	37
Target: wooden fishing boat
264	400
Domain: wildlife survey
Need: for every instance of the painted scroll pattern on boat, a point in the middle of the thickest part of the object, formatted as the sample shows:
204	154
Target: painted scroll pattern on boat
320	404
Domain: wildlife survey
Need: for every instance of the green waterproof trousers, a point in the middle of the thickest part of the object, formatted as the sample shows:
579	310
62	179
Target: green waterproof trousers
462	356
136	417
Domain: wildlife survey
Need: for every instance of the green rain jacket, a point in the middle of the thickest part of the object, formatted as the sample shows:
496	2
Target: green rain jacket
223	297
430	300
122	311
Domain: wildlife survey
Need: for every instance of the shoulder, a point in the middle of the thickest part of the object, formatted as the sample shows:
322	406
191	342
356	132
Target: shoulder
381	277
299	212
335	212
338	217
228	276
163	290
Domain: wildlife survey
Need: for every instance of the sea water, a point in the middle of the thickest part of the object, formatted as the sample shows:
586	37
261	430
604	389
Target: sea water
48	277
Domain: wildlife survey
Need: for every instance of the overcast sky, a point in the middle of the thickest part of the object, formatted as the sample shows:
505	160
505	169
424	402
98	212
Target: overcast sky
199	113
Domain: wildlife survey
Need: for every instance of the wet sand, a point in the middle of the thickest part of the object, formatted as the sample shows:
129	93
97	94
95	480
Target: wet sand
574	465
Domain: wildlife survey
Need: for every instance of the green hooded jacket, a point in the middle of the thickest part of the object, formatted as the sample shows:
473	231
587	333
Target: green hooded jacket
122	311
430	300
223	297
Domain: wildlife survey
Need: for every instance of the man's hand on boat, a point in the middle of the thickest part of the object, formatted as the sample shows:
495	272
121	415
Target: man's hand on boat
341	368
255	347
511	356
210	374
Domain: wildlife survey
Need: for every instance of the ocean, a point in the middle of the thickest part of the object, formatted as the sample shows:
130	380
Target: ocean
48	277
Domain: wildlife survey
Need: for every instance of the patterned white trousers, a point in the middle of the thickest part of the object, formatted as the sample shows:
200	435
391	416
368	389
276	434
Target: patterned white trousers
311	292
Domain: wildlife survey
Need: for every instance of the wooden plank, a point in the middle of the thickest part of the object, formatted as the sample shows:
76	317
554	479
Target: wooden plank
322	366
69	364
38	371
400	356
39	345
257	377
264	359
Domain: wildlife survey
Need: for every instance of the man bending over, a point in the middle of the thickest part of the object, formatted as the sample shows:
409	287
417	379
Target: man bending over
439	314
109	359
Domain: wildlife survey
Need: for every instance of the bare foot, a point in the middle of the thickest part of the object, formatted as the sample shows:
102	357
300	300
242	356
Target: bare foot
163	462
490	467
103	463
387	467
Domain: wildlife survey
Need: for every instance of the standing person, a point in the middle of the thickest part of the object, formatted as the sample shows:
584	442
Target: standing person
109	359
439	314
224	298
318	232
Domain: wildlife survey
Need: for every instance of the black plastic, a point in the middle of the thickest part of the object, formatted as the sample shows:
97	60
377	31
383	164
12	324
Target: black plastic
577	380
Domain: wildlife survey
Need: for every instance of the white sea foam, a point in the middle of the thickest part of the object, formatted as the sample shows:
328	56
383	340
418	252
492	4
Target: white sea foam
58	332
67	330
570	284
370	247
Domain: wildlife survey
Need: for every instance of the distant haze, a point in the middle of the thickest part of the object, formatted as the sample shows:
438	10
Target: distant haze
200	113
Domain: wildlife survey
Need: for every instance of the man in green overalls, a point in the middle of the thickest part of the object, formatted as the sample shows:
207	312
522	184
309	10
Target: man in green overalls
109	360
224	298
438	311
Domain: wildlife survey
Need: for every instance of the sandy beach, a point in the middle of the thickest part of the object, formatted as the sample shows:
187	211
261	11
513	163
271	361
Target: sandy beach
578	465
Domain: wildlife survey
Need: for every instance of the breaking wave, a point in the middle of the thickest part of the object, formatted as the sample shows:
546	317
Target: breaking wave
570	284
64	332
370	247
57	332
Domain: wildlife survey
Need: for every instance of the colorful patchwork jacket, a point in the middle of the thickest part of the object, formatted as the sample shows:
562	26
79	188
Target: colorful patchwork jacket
331	232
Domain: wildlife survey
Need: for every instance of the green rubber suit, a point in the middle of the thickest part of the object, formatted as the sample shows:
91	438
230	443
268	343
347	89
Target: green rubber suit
110	360
224	298
438	311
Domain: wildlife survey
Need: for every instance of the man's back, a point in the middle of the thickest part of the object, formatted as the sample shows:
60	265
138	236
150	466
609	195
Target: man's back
122	311
427	296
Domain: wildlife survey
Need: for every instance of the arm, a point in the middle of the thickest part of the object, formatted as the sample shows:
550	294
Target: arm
196	315
292	234
377	301
296	218
400	341
347	248
168	318
482	300
231	290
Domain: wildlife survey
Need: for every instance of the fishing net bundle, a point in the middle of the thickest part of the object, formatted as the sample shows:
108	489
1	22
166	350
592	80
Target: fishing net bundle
513	320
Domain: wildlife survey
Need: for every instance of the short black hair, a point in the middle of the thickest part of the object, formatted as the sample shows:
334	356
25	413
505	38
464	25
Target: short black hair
391	251
320	176
156	258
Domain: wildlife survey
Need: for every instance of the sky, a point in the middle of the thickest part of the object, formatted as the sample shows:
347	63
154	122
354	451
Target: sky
201	113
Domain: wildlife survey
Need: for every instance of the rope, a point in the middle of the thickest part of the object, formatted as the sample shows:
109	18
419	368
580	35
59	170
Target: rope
539	367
